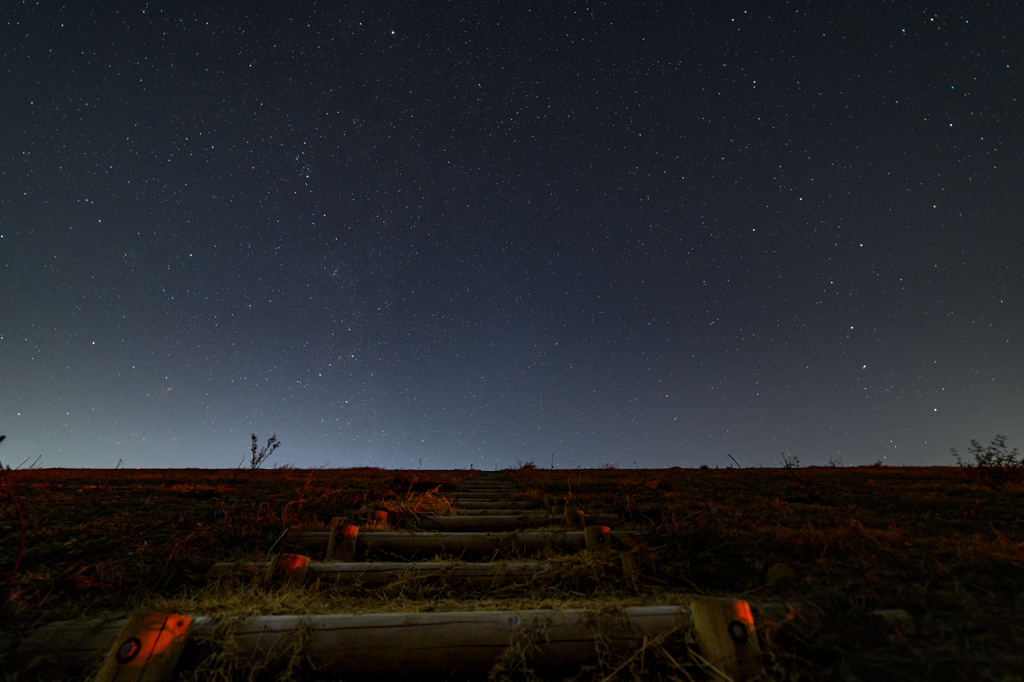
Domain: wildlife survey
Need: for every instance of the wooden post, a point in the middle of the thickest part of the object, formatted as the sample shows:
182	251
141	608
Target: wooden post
597	538
271	567
630	565
575	519
346	549
288	569
726	636
377	519
147	649
336	523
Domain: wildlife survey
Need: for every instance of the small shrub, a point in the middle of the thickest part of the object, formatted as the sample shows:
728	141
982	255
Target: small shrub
994	464
259	457
805	486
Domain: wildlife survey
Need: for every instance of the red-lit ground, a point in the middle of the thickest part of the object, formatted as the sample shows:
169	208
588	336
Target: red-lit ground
945	548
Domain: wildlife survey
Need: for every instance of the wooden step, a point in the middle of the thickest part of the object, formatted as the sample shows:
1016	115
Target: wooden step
382	572
504	504
507	522
460	495
458	543
446	644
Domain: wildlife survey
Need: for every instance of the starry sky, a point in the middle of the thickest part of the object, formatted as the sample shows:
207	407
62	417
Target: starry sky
435	234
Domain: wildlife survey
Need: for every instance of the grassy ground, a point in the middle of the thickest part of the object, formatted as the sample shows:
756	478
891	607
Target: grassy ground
941	551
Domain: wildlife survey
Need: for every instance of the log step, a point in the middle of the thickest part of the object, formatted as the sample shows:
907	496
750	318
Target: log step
459	495
457	543
383	572
414	645
493	490
490	504
506	523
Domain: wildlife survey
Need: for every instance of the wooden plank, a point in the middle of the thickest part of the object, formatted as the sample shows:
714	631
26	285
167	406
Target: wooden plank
494	497
490	490
504	522
146	649
441	638
505	504
379	573
406	645
507	511
456	542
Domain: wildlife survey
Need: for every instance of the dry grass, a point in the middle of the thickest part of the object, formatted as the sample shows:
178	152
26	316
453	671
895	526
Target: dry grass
938	544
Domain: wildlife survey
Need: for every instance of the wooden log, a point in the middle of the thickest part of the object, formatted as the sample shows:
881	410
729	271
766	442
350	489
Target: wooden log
488	485
399	644
494	497
504	504
457	543
405	645
379	573
507	511
498	523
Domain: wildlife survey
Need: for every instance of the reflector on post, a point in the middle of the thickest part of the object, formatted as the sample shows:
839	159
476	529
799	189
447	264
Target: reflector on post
147	649
345	546
377	519
725	633
574	518
288	569
597	538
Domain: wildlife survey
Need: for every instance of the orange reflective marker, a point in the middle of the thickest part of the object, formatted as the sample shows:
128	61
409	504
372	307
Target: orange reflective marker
726	636
378	519
147	649
289	569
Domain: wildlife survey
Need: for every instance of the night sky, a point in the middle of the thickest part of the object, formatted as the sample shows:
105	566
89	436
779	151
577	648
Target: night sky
406	234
